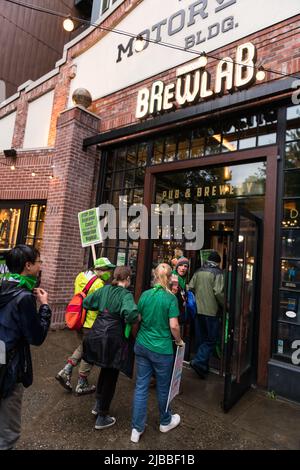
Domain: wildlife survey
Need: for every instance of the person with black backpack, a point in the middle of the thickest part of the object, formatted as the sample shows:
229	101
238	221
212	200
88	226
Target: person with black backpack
208	285
91	280
20	325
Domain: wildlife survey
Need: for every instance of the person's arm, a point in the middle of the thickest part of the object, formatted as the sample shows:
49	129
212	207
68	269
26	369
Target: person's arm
129	310
173	321
219	289
34	324
91	302
191	284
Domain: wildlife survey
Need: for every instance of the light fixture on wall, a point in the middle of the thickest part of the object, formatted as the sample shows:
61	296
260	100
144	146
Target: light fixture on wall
68	24
139	43
10	153
203	60
33	173
260	74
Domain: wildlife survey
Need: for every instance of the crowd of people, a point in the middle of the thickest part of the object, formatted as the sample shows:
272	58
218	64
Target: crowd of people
114	322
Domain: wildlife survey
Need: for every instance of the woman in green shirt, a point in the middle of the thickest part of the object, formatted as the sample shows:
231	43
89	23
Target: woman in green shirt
159	312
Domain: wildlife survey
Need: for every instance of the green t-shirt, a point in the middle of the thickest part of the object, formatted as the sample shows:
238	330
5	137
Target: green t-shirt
156	307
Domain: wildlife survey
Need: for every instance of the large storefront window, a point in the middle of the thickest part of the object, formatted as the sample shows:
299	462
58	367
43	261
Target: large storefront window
9	226
228	135
21	222
219	189
125	177
288	327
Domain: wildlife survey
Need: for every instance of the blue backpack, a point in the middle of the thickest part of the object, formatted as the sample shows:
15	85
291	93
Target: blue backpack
191	306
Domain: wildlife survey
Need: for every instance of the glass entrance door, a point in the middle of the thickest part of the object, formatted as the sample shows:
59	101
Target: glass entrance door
241	315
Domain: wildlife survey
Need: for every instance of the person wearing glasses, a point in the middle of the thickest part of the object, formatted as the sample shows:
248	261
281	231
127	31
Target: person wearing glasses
101	272
20	326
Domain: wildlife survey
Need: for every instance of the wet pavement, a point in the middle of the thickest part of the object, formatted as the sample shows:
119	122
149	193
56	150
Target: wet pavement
55	419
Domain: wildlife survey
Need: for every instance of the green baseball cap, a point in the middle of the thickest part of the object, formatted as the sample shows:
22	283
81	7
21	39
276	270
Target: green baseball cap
102	263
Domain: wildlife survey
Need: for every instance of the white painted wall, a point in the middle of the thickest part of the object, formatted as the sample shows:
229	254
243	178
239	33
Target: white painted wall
98	71
38	122
7	125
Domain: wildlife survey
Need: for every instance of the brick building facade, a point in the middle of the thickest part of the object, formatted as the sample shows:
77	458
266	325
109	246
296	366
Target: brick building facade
81	143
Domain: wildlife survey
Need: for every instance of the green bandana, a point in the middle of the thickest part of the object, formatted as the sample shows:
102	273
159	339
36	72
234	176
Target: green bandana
29	282
157	287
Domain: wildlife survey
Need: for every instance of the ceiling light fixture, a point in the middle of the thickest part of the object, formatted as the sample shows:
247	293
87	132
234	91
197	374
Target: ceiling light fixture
68	24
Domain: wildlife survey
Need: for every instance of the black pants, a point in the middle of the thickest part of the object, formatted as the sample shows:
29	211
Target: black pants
106	387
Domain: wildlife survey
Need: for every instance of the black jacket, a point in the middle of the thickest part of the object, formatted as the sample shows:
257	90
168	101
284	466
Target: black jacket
20	326
105	345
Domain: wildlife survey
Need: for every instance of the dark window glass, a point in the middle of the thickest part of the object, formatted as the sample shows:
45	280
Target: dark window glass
197	144
106	197
290	274
213	144
142	154
292	134
291	216
139	177
291	244
289	307
292	183
129	179
183	152
118	179
267	128
158	151
108	181
138	195
230	134
131	161
110	160
120	159
170	149
292	155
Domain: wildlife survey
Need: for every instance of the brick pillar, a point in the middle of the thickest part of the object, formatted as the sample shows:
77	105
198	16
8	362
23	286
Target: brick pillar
71	191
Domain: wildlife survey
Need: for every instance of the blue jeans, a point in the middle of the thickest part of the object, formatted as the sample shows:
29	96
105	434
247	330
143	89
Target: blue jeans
147	363
207	333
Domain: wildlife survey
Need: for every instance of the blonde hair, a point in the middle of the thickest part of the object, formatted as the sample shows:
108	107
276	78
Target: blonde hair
162	275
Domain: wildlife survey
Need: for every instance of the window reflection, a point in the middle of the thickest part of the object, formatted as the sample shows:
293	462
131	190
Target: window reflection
9	225
35	225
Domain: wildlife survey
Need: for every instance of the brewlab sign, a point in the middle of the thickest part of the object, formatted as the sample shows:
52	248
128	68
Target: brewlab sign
194	83
113	64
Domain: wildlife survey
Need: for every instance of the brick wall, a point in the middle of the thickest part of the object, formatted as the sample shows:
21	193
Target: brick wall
76	174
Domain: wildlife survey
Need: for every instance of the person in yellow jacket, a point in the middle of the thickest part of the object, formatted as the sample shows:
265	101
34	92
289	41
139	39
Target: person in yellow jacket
102	269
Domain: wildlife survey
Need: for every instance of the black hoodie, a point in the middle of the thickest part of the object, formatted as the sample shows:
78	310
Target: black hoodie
20	326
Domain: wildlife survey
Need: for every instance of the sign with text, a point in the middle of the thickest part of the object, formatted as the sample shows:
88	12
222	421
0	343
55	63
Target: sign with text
176	375
89	225
201	25
194	83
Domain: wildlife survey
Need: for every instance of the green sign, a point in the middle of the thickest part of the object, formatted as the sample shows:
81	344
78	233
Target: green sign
121	258
89	225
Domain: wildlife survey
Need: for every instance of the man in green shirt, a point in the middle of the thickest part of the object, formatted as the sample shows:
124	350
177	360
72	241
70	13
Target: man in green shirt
208	285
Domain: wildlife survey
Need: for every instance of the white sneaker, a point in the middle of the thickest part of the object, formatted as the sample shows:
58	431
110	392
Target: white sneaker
173	423
135	435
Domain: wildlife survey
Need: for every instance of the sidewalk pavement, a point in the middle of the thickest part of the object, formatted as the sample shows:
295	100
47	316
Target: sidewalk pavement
56	419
